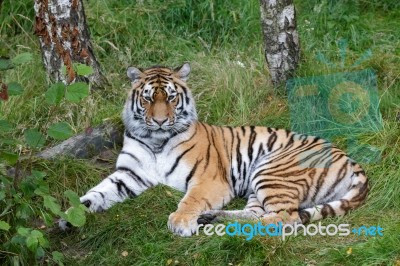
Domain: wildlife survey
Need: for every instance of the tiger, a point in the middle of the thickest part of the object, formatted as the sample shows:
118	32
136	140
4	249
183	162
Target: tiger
285	176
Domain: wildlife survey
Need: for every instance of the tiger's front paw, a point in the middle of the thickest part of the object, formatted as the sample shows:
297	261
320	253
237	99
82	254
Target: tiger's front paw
182	224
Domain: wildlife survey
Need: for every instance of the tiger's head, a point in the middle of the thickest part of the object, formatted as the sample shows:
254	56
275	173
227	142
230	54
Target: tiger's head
160	103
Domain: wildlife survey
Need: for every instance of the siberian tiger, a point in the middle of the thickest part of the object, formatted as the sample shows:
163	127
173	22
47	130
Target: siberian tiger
287	177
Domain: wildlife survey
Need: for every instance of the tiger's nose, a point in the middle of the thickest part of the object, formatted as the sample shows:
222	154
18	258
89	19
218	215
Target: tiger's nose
161	121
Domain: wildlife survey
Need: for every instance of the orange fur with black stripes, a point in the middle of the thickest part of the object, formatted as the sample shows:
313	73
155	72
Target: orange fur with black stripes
286	176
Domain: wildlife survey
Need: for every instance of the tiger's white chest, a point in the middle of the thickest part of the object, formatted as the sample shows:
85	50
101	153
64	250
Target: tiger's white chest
158	168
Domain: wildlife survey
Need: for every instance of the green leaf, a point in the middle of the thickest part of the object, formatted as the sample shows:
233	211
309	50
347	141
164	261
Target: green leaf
39	252
14	88
77	91
27	187
23	231
4	226
43	242
76	216
2	195
5	64
55	93
22	58
31	242
83	208
73	198
5	126
24	211
83	70
34	138
42	191
38	174
47	218
20	240
10	158
6	181
58	257
50	203
36	234
60	131
63	216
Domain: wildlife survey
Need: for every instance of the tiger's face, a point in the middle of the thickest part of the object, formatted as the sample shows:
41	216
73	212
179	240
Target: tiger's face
159	103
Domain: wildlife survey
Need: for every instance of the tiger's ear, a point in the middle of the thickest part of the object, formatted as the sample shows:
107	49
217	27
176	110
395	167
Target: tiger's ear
134	73
183	71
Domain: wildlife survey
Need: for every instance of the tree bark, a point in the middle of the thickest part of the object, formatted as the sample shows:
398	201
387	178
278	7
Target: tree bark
64	40
281	40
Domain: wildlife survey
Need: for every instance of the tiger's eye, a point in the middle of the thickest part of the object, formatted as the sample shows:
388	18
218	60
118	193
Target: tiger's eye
171	98
147	98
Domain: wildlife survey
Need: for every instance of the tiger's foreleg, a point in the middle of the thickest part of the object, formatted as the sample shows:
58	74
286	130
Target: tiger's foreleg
117	187
199	197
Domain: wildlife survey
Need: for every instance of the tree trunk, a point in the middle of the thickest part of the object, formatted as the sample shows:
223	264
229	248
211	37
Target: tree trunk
64	40
278	21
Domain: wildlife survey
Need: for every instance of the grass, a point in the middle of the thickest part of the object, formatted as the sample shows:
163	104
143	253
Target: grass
214	36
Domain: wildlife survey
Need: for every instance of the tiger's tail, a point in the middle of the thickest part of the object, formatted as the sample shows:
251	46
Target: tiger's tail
352	199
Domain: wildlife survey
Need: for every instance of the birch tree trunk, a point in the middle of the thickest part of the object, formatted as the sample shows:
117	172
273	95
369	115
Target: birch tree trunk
64	40
281	40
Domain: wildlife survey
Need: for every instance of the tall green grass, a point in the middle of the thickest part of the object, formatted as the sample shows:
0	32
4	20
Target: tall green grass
223	42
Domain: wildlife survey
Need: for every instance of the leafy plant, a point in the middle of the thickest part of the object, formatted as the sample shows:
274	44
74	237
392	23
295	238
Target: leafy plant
27	207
